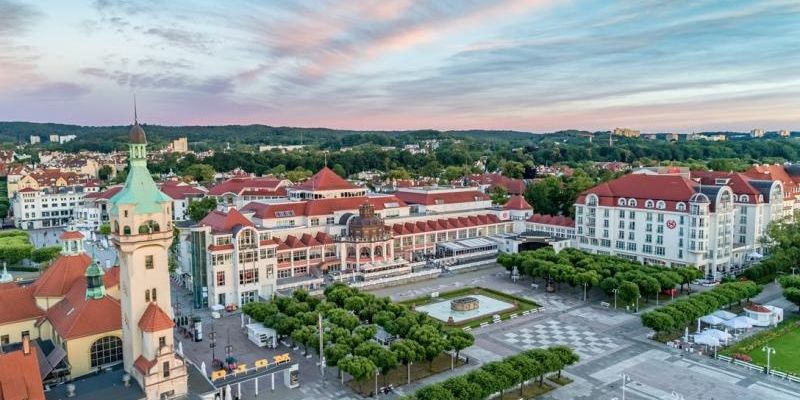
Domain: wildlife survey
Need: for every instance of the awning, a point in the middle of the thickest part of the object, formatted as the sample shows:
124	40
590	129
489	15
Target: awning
712	319
726	315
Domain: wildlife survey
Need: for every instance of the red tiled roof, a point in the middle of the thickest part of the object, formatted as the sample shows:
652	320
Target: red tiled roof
279	192
220	247
26	190
446	197
67	235
670	188
154	319
105	194
179	191
738	182
111	277
238	184
19	376
758	308
512	185
220	221
143	365
309	240
324	238
775	172
444	224
558	220
61	275
76	316
17	304
325	179
317	207
517	202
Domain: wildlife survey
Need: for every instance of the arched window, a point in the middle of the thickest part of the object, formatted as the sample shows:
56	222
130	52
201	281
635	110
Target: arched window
351	252
648	204
365	252
106	350
744	198
147	295
126	230
631	202
680	206
149	226
621	202
591	200
661	205
116	226
379	251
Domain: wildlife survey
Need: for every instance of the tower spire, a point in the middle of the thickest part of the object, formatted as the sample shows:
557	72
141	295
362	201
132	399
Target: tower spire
135	114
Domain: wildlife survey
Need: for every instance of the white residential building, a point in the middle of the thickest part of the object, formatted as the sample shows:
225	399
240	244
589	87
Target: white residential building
47	207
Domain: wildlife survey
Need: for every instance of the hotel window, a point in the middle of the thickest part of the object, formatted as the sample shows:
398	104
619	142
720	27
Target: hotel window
621	245
301	270
648	249
284	257
648	238
660	251
621	224
649	216
166	369
162	341
314	221
622	213
621	235
605	233
284	273
606	213
299	255
632	246
631	236
632	225
329	220
248	276
220	278
148	262
659	239
631	214
660	217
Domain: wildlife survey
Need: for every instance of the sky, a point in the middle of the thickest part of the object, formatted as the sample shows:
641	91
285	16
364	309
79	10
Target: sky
529	65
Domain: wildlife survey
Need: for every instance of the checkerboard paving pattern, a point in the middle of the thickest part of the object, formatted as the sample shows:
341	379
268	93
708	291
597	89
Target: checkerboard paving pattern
550	333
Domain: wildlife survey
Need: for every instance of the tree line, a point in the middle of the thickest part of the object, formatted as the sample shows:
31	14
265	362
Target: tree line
577	268
500	376
783	240
15	246
350	323
677	315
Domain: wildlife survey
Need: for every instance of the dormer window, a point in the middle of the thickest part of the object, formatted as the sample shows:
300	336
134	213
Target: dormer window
631	202
648	204
744	198
621	202
661	205
680	207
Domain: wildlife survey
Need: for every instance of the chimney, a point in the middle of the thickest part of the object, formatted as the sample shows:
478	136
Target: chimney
26	345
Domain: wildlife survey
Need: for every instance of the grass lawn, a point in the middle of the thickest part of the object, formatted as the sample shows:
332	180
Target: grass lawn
398	376
785	339
533	389
522	304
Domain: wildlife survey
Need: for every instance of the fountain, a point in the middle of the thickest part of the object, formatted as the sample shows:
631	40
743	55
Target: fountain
461	309
465	304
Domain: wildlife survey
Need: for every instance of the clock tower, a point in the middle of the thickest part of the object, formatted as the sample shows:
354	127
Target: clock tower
141	220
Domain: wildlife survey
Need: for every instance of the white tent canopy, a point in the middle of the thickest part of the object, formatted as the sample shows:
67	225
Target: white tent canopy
726	315
706	339
724	336
740	323
712	319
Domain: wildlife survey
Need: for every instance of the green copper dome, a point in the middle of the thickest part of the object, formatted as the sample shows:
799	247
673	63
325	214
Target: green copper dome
140	190
95	287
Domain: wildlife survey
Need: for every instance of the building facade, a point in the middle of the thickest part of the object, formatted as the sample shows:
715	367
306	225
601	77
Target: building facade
48	207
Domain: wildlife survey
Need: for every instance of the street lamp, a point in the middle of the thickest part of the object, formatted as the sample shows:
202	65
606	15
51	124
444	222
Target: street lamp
793	269
585	284
769	351
625	379
213	336
637	303
615	297
376	382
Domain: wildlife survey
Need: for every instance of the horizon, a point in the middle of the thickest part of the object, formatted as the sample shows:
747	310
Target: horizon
521	65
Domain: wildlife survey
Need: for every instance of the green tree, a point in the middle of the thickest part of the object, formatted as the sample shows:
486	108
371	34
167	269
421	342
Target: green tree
435	391
462	388
628	292
303	335
105	229
792	294
407	351
513	169
566	355
45	254
398	173
339	170
527	367
14	246
198	209
430	339
334	353
459	340
359	368
658	321
298	174
199	172
104	172
505	373
499	195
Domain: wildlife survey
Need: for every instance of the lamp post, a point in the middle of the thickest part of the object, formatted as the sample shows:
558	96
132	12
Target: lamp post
376	383
769	351
625	379
637	302
585	284
213	337
793	269
615	297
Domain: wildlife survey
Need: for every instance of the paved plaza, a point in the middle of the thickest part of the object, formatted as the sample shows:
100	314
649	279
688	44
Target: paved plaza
609	342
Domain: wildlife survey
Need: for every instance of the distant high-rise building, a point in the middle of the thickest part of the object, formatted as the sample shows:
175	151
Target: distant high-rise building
179	145
785	133
757	133
625	132
36	139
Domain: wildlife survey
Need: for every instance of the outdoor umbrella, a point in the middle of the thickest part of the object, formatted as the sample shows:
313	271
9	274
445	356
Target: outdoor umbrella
712	319
720	335
228	394
724	314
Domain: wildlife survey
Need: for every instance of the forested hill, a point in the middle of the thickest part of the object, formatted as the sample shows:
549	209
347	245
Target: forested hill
108	137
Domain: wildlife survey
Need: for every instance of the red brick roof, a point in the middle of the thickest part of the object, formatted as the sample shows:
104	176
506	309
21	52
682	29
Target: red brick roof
143	365
517	202
738	182
19	376
514	186
325	179
444	224
17	304
447	197
775	172
61	275
155	319
240	183
758	308
76	316
558	220
221	221
105	194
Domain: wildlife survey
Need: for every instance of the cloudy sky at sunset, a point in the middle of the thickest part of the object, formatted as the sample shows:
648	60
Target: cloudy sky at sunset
532	65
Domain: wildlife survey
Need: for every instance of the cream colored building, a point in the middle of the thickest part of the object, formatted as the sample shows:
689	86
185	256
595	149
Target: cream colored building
179	145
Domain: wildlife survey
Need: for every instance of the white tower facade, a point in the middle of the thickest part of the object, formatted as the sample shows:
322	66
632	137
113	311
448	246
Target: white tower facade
142	232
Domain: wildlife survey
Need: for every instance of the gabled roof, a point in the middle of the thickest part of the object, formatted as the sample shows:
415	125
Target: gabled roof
221	221
643	187
514	186
140	191
19	376
558	220
71	235
444	224
76	316
318	207
17	304
154	319
143	365
325	179
105	194
738	182
517	202
61	275
179	191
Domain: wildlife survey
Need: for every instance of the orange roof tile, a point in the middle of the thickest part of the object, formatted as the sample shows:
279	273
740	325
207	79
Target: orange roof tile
517	202
221	221
154	319
17	304
68	235
19	376
143	365
76	316
325	179
61	275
